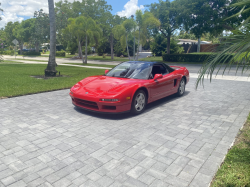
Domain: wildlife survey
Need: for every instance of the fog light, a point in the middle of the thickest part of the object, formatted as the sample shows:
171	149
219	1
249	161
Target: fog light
112	100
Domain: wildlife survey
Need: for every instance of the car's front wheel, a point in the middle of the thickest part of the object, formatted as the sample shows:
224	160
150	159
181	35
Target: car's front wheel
139	102
181	89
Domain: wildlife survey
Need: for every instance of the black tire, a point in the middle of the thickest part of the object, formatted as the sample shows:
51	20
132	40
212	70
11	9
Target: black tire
139	108
181	88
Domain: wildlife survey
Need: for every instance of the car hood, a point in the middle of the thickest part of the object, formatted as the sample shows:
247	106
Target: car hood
105	84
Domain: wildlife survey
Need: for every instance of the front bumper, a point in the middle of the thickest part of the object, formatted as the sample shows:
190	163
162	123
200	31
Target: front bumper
94	104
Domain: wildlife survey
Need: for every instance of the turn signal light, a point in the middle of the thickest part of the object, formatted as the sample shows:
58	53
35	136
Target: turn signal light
112	100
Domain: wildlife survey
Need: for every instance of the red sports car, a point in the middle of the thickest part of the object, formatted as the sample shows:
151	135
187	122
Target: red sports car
129	86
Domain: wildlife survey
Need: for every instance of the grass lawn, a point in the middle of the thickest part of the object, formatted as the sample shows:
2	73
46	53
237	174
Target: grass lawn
10	62
31	60
15	79
98	65
235	171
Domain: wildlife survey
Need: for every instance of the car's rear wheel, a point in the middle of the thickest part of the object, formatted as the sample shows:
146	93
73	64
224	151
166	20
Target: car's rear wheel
181	89
139	102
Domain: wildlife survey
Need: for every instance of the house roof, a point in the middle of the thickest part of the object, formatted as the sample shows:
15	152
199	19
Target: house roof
181	41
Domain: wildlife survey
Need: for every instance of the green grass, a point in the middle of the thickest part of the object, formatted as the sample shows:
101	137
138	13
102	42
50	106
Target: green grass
10	62
98	65
235	171
31	60
15	79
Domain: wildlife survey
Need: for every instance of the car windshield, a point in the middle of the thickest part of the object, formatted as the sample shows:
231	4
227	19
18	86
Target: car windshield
131	70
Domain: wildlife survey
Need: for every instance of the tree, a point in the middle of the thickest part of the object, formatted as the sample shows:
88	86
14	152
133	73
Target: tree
23	31
202	16
167	13
159	45
111	23
185	35
9	32
238	44
84	29
41	30
51	67
123	31
145	22
97	10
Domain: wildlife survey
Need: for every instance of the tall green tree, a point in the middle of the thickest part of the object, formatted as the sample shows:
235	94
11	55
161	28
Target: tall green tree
122	32
84	29
51	67
9	28
112	21
237	43
145	22
166	12
23	31
202	16
41	30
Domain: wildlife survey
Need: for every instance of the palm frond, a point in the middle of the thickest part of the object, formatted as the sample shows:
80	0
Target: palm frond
234	50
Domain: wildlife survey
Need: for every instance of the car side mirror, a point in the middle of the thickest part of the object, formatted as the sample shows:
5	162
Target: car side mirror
158	76
106	71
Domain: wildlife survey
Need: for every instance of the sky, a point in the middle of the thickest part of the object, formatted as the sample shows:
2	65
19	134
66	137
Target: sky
18	10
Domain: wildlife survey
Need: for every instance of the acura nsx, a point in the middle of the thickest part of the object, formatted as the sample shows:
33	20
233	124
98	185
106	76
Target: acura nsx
129	86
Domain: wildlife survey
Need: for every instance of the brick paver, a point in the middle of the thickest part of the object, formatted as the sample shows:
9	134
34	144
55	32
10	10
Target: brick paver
45	141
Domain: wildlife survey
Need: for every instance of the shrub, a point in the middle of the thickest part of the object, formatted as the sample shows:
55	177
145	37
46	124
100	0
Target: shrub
103	47
159	45
89	50
60	53
8	52
189	57
30	53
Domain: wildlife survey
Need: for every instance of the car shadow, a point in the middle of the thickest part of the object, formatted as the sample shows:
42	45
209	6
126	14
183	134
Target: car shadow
127	115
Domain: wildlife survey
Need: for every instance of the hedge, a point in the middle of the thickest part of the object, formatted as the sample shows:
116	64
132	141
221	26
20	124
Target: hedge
60	53
27	53
30	53
187	57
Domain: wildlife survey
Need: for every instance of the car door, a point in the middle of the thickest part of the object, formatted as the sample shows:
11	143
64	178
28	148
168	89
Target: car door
162	87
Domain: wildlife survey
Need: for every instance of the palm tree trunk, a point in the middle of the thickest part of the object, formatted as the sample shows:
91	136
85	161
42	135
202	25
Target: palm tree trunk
112	46
86	49
134	49
51	67
80	51
138	45
37	44
168	44
21	47
127	47
199	44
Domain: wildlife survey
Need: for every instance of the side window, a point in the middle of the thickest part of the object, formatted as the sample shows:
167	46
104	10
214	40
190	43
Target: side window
164	71
158	69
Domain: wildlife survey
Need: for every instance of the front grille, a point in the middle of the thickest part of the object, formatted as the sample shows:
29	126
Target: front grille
84	103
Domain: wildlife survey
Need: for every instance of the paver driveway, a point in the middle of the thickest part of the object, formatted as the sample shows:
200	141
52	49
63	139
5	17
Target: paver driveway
45	141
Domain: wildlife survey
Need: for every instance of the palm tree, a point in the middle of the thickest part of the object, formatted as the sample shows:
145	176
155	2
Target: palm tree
235	49
85	29
51	67
121	32
144	22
